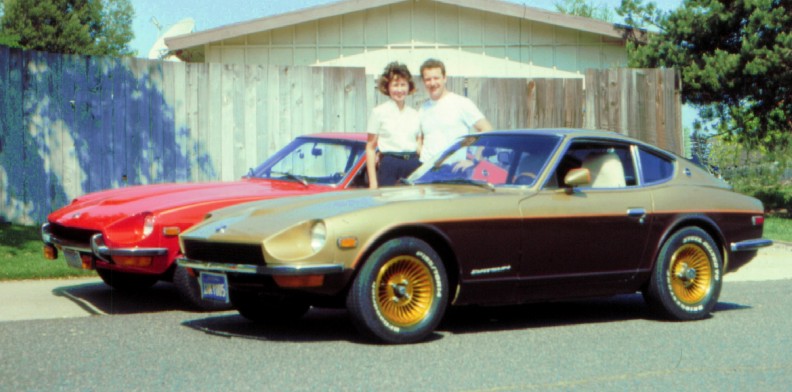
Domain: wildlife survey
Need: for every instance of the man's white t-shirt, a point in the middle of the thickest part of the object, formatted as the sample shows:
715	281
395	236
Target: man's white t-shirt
443	121
396	130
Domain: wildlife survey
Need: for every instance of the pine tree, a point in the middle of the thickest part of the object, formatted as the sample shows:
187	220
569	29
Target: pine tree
735	57
90	27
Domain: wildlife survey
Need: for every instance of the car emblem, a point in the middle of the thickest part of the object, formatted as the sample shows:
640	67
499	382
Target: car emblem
221	229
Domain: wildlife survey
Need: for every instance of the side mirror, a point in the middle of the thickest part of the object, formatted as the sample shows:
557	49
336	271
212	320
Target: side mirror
577	177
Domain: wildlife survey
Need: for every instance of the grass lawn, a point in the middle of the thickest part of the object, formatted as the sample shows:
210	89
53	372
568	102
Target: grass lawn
21	256
778	229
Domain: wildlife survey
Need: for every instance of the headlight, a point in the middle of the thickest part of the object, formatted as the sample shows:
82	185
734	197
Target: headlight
318	236
148	225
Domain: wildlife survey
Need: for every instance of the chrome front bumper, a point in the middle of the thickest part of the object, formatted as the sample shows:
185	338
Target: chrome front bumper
281	270
97	246
750	244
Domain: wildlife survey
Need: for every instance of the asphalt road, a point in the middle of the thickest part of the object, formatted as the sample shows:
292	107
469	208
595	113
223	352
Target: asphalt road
149	341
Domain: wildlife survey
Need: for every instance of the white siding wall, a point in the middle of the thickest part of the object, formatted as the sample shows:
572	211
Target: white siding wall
422	26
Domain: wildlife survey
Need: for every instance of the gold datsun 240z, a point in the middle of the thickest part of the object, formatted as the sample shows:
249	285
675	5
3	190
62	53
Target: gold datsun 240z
502	217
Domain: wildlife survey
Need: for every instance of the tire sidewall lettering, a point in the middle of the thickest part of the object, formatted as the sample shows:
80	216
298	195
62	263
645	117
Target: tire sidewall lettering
385	322
435	273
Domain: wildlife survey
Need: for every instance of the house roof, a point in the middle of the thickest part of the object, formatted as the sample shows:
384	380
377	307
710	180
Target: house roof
348	6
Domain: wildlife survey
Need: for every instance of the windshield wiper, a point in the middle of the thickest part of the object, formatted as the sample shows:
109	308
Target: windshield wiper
291	176
483	184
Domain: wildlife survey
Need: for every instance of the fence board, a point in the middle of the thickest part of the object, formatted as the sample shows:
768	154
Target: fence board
94	123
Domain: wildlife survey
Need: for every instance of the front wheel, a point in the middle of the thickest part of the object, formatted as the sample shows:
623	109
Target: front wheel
400	293
125	281
190	291
268	309
686	280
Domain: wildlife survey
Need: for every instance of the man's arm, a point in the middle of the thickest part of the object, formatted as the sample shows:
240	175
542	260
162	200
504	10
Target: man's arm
482	125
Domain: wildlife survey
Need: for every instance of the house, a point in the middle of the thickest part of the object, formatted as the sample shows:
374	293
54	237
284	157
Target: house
475	38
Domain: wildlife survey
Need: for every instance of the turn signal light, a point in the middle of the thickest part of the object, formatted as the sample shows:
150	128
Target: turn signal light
87	261
347	242
50	252
299	281
133	261
171	231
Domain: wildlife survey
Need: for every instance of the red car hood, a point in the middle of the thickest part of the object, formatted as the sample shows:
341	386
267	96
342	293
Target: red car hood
100	209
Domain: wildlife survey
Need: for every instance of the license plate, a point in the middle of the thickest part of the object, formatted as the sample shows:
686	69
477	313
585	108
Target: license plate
73	258
214	287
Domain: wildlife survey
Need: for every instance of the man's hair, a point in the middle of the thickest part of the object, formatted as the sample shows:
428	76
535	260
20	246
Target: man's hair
433	63
392	71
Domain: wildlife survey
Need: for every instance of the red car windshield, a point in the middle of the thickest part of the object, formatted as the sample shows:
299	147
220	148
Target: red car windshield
312	160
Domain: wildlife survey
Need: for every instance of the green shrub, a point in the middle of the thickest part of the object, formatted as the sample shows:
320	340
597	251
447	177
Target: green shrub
766	175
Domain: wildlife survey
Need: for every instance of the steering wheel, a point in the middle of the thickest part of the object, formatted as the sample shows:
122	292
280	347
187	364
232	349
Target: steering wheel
524	178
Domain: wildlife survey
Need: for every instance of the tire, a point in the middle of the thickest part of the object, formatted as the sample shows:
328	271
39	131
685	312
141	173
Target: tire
125	281
190	291
268	309
687	276
400	293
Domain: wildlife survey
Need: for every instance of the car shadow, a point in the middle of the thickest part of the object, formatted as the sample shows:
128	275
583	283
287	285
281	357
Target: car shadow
99	298
335	324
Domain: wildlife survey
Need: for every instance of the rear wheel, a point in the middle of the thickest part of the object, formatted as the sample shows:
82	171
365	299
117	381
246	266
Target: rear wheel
268	309
400	293
687	277
125	281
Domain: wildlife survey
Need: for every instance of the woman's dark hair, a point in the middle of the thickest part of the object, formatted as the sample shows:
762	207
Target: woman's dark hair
392	71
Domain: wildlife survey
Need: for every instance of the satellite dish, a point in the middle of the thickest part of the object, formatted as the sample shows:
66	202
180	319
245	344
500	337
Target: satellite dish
160	51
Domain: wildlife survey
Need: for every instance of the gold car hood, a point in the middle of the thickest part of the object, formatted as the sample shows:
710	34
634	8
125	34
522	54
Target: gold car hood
256	221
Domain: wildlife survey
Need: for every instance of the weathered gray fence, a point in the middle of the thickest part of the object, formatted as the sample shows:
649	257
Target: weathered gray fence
73	124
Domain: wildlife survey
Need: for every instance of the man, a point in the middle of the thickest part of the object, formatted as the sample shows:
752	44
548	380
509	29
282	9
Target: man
446	115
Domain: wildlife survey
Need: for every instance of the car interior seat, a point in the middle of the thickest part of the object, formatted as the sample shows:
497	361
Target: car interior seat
527	169
606	170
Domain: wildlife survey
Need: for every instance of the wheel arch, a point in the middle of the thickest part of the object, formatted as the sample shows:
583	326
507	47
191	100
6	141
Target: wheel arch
427	233
701	221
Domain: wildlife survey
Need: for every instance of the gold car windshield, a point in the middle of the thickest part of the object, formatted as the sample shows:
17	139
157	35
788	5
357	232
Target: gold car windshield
490	159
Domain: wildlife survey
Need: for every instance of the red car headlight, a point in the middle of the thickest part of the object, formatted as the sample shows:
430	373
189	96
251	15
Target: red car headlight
148	225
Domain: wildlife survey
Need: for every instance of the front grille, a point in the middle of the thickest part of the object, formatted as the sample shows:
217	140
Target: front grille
70	234
223	252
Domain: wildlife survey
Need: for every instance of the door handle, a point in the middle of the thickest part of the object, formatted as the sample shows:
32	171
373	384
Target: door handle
639	213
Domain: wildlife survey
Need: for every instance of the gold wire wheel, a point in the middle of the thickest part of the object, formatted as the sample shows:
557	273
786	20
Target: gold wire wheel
691	274
405	291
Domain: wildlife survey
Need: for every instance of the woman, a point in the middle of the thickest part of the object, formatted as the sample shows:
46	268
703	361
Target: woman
394	128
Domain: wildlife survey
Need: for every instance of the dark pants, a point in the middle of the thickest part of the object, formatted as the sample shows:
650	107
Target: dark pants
394	167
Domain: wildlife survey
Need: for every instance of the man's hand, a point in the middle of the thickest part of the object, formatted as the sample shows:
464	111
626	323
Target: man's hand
462	166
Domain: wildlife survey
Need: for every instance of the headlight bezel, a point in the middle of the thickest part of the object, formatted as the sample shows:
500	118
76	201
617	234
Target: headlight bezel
298	242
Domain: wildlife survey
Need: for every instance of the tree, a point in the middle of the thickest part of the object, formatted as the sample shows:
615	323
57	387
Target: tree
735	57
586	9
89	27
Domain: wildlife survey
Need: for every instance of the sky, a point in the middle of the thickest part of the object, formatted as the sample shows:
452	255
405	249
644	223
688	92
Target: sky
208	14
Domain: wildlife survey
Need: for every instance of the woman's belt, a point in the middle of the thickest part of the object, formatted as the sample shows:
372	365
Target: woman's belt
401	155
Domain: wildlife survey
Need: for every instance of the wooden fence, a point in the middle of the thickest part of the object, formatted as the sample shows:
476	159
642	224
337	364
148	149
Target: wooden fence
74	124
